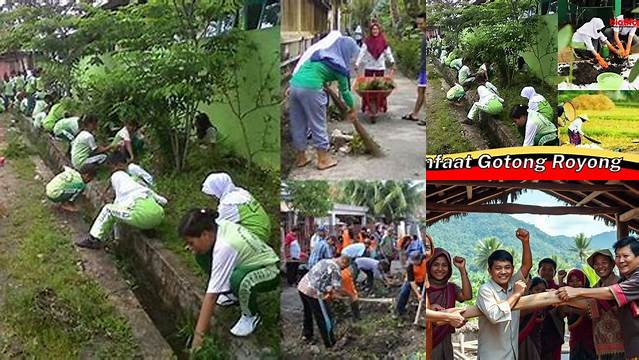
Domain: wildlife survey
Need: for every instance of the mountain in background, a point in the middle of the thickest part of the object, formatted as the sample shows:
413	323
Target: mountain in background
460	235
603	240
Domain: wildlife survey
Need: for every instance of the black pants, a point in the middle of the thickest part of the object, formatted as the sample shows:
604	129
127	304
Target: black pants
291	272
312	310
370	279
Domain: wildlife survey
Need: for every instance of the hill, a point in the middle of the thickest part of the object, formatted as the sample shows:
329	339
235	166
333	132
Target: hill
460	235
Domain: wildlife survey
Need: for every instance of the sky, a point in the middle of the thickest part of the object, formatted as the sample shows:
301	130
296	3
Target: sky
569	225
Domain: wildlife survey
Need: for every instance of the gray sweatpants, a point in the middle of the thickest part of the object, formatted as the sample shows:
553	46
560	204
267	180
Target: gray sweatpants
307	113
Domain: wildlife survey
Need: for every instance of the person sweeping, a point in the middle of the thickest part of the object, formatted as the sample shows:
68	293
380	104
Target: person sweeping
327	61
584	37
242	264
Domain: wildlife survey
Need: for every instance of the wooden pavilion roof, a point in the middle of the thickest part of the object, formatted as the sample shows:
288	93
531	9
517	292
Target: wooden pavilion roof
612	201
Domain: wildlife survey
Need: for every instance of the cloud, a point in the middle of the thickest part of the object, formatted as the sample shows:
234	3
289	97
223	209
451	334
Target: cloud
569	225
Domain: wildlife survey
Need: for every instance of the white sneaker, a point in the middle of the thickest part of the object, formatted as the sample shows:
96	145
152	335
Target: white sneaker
227	299
246	325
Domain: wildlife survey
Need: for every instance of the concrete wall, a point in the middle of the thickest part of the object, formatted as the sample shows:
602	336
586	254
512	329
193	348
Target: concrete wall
173	283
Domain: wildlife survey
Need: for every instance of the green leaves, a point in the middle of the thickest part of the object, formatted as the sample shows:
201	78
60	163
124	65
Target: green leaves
564	37
310	198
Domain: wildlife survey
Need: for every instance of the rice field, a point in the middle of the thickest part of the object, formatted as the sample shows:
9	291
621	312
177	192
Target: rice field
617	129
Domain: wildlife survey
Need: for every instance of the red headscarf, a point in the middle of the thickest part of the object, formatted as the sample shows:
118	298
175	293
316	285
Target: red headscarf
376	44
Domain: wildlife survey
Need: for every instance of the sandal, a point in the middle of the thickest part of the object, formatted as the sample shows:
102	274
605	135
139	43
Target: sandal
409	117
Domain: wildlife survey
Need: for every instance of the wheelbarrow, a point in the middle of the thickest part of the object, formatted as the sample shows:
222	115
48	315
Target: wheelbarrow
374	100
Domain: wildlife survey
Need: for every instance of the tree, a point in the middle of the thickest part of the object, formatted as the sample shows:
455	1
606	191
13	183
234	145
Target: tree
362	11
310	198
388	199
483	250
581	247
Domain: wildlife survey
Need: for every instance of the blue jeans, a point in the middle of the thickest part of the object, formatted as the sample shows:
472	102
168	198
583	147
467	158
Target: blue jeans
404	295
307	114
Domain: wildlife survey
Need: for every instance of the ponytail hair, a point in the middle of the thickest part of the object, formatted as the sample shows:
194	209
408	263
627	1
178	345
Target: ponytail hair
197	221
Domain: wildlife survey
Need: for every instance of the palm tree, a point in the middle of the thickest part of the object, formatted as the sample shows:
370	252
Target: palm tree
483	250
581	246
388	199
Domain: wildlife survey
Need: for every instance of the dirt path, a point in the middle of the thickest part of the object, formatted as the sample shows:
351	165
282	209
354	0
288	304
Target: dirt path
403	143
86	285
447	132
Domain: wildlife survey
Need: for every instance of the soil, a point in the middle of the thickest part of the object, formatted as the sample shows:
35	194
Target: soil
377	335
586	72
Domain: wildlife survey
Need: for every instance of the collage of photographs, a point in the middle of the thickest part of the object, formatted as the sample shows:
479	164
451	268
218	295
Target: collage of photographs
319	179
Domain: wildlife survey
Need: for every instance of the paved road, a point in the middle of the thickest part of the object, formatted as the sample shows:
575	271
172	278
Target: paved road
403	143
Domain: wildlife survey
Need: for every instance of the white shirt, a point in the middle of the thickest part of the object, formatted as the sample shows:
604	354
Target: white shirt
499	327
531	131
624	30
587	40
371	63
576	125
123	134
295	249
533	103
225	258
314	239
126	189
369	264
138	171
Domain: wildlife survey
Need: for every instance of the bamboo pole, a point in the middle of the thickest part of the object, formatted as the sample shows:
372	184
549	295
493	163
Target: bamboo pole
533	301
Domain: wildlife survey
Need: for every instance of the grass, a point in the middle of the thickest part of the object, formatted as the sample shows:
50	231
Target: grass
183	190
444	131
77	320
616	129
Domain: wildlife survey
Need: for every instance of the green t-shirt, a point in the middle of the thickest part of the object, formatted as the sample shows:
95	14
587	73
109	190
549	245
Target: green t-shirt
545	131
314	74
81	148
56	113
67	127
255	219
65	186
20	83
236	247
39	107
8	88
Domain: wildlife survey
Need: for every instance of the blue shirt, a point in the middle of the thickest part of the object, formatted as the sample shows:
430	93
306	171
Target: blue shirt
415	245
321	251
354	250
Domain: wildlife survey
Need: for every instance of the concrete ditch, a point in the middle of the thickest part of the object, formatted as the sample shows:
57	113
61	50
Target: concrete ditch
166	289
498	134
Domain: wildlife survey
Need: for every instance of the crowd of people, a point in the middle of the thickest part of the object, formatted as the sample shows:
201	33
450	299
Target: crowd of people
606	329
230	242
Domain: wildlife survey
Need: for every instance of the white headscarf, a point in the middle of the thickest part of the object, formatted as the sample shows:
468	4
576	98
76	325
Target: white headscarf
592	28
528	92
221	186
324	43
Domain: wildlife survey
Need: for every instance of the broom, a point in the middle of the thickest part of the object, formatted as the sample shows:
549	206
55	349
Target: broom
372	147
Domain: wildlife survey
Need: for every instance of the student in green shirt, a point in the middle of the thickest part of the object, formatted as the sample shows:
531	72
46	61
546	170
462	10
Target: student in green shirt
65	187
539	130
67	128
327	61
54	115
84	149
242	264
